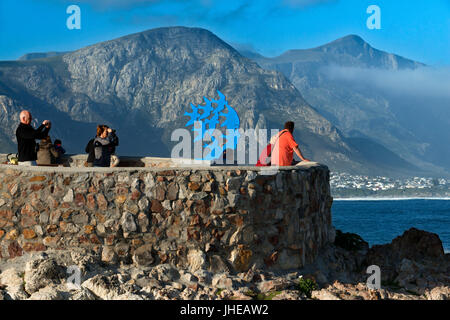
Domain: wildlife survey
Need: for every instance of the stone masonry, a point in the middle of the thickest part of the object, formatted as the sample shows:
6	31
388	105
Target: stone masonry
216	218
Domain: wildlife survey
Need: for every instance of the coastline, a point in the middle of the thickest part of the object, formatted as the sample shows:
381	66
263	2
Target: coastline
393	202
389	198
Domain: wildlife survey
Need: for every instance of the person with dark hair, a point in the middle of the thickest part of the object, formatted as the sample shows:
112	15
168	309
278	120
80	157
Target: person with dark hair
57	144
289	126
58	147
115	142
90	147
26	136
90	151
47	153
104	145
284	147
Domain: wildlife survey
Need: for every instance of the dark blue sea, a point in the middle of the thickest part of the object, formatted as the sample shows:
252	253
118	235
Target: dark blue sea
380	221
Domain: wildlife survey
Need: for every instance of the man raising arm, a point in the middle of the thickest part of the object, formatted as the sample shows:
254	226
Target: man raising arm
26	135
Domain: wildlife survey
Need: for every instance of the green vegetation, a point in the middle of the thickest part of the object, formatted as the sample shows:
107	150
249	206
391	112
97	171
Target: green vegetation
251	293
349	241
262	296
268	296
22	276
307	286
391	284
219	291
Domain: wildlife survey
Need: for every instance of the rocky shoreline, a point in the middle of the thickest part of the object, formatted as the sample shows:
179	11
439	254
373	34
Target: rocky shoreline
413	267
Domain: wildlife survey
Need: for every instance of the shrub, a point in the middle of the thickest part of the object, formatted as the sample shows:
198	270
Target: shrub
349	241
307	286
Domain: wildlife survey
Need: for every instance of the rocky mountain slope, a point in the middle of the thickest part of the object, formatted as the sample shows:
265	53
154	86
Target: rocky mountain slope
142	84
342	80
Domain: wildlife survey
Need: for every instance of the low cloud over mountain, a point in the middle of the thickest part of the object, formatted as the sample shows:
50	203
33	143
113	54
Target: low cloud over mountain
426	82
401	104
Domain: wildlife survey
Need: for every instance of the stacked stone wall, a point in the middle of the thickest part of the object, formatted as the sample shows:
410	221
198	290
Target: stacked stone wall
218	218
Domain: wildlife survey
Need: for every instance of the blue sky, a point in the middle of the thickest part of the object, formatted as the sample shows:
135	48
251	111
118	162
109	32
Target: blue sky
418	30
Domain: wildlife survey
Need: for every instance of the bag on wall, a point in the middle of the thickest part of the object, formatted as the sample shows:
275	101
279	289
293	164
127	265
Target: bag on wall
12	159
265	157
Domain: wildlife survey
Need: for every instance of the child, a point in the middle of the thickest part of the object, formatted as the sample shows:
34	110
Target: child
58	147
47	153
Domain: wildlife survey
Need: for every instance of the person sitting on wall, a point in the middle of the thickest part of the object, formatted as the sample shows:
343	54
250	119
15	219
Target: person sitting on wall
284	146
103	146
47	153
26	136
112	149
58	147
90	148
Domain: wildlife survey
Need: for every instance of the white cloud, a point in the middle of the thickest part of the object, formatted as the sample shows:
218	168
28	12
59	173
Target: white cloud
424	82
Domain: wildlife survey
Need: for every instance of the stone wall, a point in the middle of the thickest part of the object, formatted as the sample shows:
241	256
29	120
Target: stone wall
216	218
78	160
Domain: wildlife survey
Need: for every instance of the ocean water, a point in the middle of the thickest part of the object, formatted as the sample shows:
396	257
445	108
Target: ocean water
380	221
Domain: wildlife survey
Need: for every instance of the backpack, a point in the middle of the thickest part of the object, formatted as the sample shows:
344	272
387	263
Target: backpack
265	157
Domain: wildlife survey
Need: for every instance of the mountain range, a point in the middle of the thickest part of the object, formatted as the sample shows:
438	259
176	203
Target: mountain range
143	83
373	95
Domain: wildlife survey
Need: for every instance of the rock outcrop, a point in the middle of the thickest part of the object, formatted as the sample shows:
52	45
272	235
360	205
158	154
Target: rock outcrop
338	274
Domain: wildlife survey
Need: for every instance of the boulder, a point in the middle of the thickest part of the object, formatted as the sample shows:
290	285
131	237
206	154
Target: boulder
273	285
47	293
13	283
413	245
224	281
324	294
104	287
439	293
82	294
42	272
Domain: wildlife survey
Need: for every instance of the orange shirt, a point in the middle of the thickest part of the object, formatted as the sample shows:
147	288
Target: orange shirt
283	150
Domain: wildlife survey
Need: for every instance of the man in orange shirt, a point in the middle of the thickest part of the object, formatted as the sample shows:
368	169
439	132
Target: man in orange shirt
284	147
